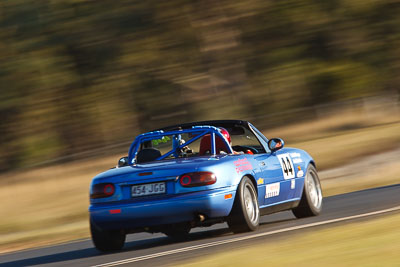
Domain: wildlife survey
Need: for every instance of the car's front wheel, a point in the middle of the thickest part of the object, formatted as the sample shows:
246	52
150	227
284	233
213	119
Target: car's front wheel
245	214
107	240
311	200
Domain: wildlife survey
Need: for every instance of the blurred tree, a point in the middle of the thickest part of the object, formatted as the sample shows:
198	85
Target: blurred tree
76	75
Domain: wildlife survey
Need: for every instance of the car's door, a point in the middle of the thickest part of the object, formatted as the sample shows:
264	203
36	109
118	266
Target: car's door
270	179
276	172
288	185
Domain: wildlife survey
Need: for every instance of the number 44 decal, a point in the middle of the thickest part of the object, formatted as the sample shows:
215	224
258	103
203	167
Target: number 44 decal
287	166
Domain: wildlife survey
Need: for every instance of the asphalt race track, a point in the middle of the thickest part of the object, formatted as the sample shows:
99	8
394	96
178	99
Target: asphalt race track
158	250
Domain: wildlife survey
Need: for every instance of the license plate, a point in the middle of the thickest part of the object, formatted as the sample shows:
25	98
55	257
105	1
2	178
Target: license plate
148	189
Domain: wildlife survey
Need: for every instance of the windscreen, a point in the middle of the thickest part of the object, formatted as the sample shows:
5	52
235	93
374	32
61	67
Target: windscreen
244	138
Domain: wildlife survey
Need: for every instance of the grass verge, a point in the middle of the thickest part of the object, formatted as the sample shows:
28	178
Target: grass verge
368	243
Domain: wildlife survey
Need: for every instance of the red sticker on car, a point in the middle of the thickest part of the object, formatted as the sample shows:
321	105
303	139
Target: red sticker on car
242	165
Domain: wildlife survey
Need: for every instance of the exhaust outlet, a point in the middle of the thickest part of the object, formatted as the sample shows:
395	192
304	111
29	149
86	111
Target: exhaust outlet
201	218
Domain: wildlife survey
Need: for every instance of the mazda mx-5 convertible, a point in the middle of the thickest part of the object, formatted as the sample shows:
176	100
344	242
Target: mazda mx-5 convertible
198	174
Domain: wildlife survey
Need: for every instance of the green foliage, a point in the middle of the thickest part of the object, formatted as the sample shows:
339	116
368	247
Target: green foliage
78	75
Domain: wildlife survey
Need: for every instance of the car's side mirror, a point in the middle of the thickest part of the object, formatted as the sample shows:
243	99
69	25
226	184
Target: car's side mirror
275	144
123	162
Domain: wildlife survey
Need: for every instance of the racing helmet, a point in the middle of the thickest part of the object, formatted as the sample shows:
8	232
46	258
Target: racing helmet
226	134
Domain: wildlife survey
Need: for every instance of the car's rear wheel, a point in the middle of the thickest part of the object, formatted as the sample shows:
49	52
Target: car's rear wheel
311	200
245	214
107	240
177	232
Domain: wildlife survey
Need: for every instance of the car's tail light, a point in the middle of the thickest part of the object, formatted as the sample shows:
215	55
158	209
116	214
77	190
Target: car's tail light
102	190
197	179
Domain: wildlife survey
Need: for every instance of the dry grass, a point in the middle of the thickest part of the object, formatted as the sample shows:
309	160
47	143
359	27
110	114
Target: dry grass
349	146
374	172
332	124
49	204
342	137
368	243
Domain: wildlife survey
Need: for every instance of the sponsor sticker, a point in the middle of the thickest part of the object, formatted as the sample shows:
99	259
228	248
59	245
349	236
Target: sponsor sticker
260	181
292	184
297	160
272	190
300	173
295	155
242	165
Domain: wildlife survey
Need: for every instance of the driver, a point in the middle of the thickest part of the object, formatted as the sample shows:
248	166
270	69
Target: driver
227	136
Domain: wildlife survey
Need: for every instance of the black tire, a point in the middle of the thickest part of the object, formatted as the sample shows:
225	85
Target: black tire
311	199
106	241
177	232
245	214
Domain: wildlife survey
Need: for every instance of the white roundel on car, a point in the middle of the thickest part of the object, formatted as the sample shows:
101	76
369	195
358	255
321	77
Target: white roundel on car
287	166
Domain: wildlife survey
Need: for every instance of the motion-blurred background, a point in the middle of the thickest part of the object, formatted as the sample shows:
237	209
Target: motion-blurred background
80	78
77	75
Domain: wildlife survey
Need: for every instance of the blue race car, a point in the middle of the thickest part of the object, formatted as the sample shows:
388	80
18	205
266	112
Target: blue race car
198	174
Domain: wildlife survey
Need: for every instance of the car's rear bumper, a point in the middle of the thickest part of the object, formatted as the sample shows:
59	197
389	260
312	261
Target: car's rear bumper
172	209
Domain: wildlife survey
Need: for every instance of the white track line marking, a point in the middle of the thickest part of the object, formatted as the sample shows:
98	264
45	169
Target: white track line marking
217	243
